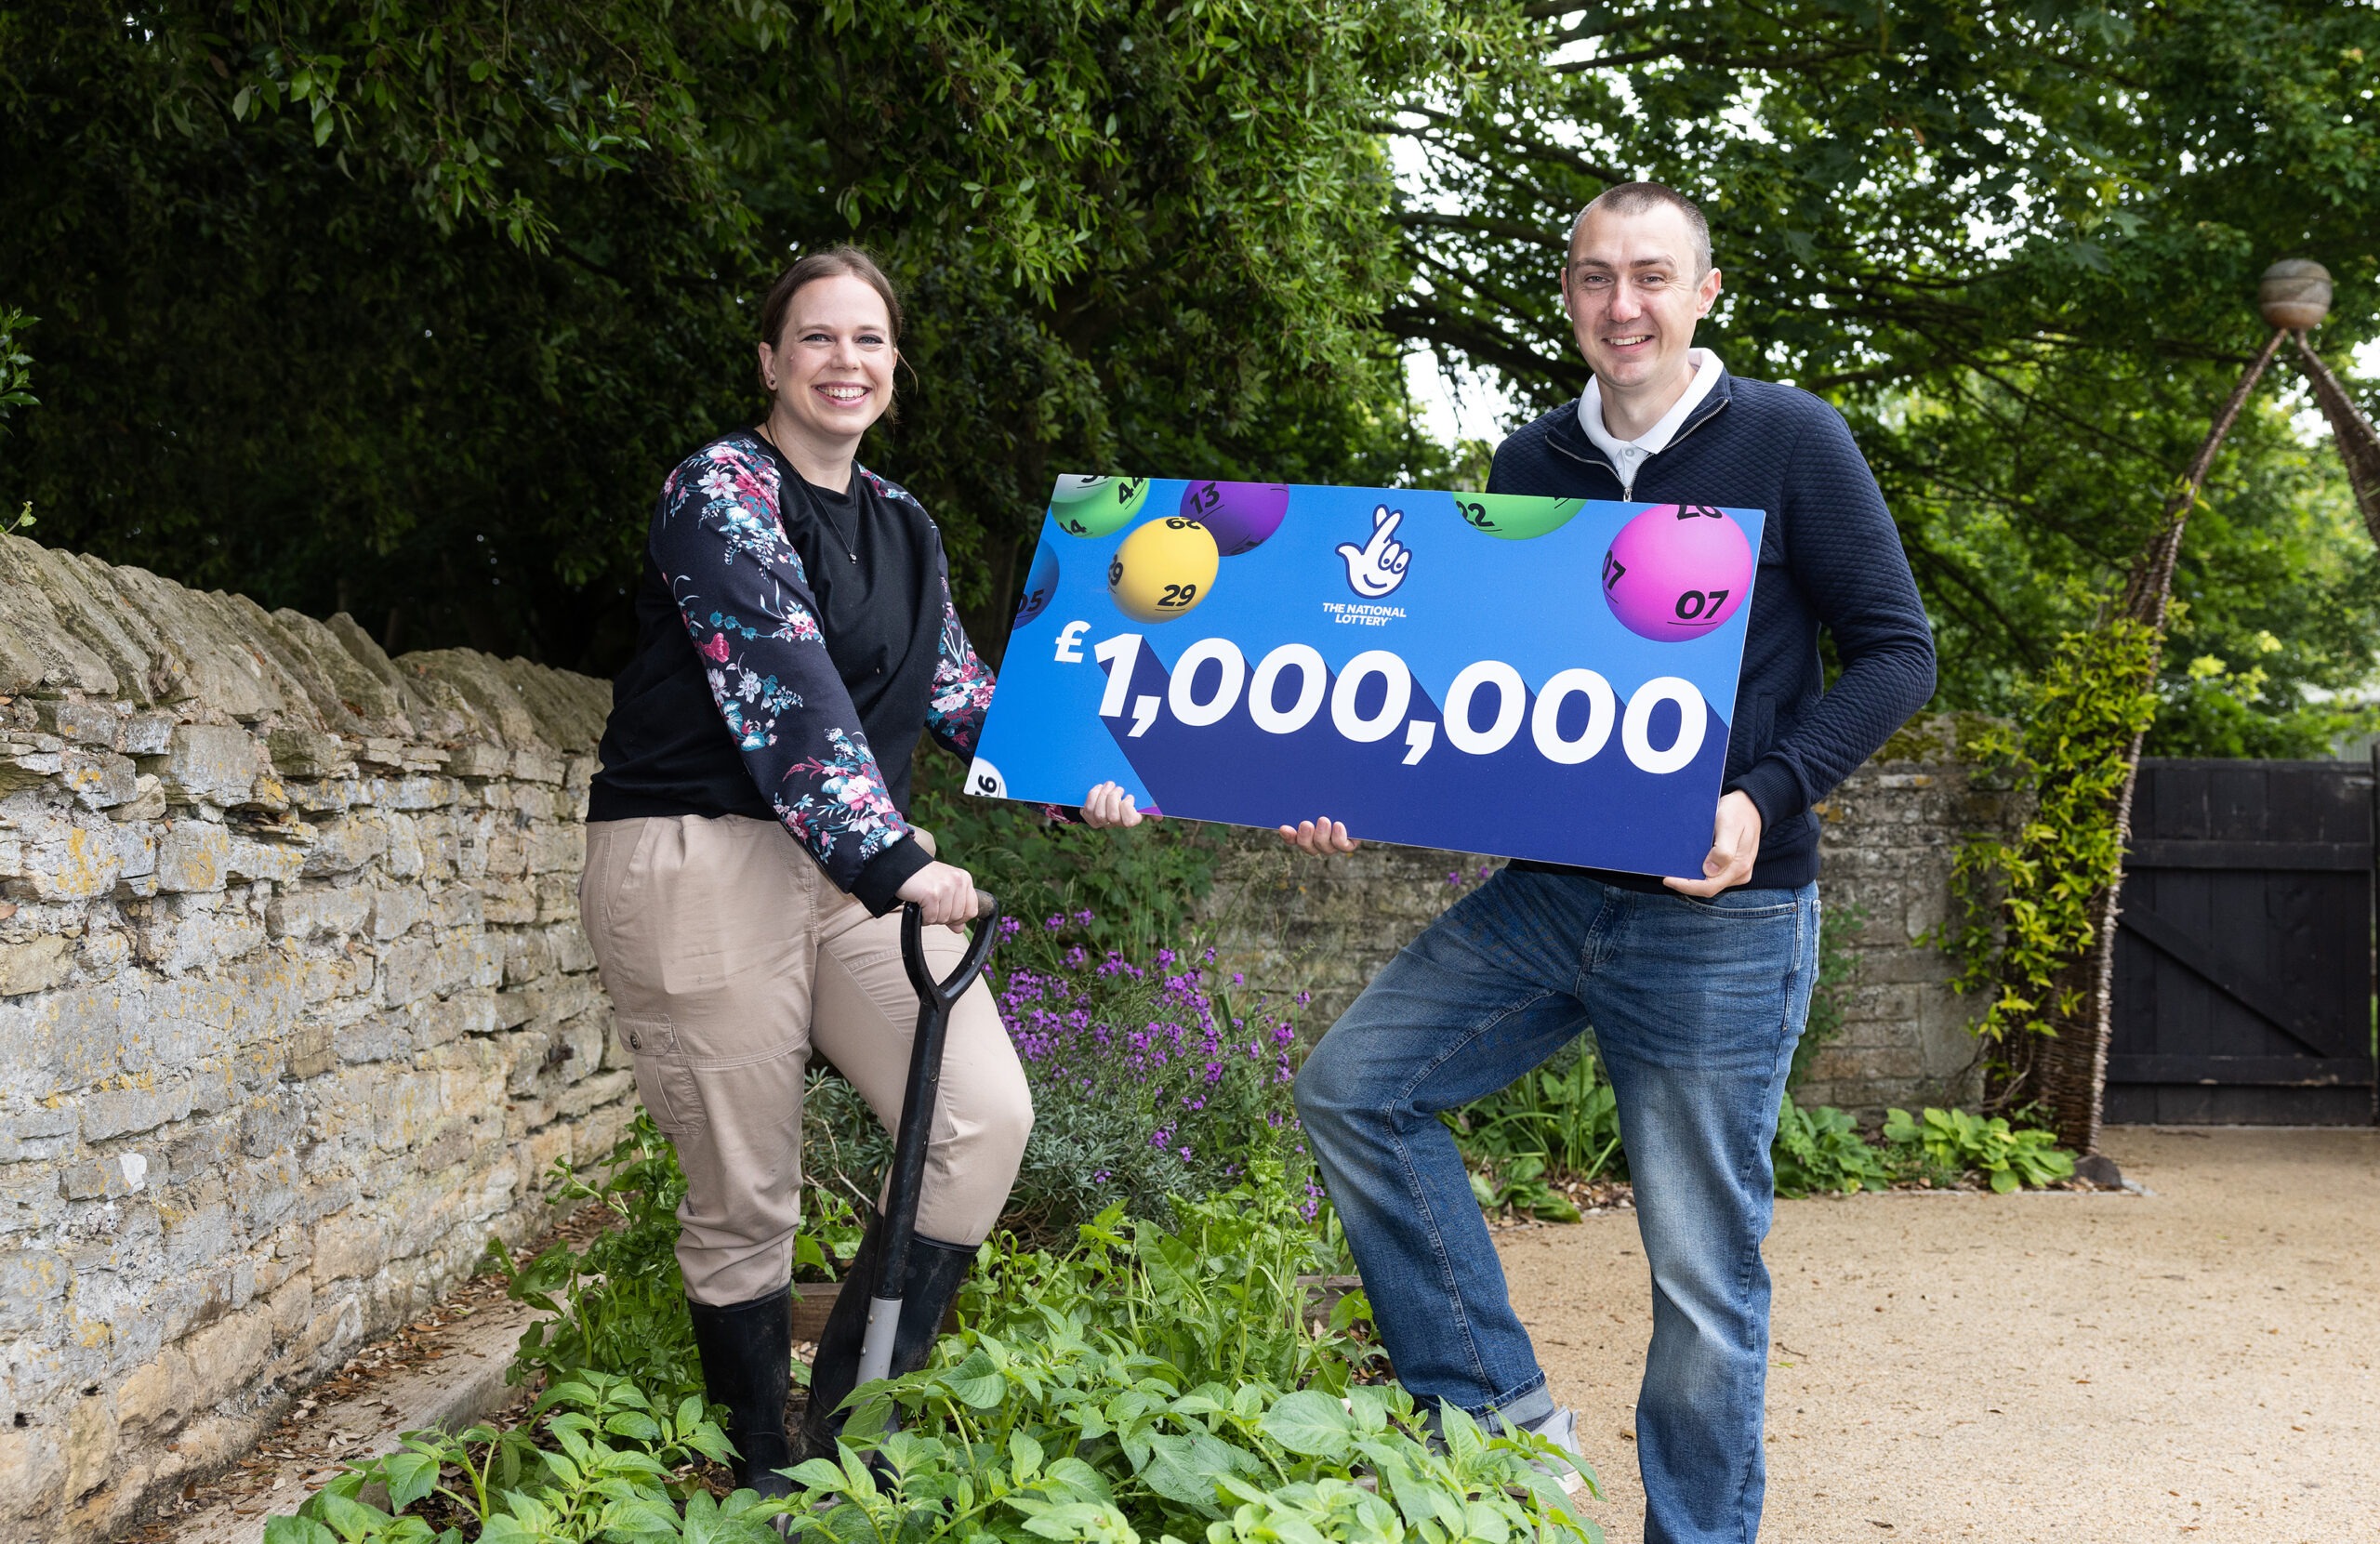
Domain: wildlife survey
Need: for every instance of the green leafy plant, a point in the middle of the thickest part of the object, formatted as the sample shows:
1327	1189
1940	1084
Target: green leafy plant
1069	1436
1558	1122
16	392
1219	1292
1518	1183
1821	1149
609	1468
1951	1143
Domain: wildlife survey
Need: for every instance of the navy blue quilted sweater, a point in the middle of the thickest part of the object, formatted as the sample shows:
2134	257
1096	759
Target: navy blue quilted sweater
1830	557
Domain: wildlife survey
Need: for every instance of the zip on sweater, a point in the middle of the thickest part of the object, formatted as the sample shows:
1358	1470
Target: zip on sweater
1627	485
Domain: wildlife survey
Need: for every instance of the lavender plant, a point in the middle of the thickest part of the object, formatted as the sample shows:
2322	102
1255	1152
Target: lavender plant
1150	1081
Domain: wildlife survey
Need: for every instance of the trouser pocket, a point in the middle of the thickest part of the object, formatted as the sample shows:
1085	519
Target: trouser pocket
663	1079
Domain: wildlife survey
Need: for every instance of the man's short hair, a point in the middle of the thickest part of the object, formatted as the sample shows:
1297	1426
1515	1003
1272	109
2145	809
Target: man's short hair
1637	198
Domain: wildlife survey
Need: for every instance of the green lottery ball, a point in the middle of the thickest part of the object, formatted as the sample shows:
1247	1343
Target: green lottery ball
1095	505
1515	517
1163	569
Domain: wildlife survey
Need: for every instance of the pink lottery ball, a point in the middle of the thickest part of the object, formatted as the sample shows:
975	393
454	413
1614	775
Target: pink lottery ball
1677	571
1238	515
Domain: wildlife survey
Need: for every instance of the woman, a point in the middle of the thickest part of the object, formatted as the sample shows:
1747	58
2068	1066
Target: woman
747	846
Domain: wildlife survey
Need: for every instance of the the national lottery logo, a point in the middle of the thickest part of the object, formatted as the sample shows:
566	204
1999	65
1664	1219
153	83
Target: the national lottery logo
1378	567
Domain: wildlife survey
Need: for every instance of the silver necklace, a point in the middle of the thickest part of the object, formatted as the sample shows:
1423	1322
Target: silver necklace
824	517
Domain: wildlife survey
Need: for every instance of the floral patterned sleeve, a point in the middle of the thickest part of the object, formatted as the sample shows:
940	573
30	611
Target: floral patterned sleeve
746	600
962	686
962	691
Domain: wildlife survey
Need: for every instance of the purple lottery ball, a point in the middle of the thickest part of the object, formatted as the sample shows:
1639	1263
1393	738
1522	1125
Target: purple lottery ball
1238	515
1677	571
1040	584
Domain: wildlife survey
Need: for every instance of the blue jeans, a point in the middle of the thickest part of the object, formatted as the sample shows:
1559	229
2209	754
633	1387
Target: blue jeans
1695	1006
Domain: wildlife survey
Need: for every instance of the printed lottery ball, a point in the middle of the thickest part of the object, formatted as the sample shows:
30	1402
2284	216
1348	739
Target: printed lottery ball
1676	570
1515	517
1094	505
1163	569
1239	515
1040	584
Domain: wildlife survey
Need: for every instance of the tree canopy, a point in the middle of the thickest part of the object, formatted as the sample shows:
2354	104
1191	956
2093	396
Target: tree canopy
2017	244
404	307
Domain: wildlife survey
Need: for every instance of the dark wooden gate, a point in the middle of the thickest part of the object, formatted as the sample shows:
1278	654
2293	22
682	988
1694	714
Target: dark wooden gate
2245	970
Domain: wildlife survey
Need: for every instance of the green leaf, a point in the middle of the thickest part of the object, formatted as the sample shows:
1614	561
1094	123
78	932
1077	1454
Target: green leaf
819	1474
298	1530
983	1393
409	1476
350	1519
1310	1423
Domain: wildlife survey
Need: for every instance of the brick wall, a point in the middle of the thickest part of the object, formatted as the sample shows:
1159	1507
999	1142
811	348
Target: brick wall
294	1009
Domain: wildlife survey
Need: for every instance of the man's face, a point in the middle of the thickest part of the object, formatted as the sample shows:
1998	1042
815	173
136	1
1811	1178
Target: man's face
1634	294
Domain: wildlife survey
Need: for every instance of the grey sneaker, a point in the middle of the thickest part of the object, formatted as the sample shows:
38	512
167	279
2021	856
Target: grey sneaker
1561	1429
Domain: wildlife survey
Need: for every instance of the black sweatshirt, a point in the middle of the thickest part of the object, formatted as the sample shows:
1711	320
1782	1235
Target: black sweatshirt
1830	557
791	642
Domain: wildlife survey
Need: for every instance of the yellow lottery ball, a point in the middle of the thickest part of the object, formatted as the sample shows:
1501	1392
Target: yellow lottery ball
1163	569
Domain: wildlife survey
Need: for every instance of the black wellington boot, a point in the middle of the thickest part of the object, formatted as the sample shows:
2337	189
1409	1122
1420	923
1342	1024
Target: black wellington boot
931	1287
748	1365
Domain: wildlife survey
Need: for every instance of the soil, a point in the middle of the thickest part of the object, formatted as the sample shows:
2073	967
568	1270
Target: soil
2072	1367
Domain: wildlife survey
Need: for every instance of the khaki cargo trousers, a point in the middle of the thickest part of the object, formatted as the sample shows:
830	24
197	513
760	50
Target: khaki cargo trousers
729	957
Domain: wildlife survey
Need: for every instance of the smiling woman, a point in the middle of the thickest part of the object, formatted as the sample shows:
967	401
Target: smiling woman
830	333
748	838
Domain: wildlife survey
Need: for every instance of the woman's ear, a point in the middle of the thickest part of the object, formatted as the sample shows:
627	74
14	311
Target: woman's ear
766	366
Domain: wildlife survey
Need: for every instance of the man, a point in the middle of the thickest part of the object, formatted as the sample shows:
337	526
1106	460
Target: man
1697	987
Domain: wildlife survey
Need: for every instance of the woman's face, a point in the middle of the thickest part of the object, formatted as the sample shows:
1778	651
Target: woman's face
831	371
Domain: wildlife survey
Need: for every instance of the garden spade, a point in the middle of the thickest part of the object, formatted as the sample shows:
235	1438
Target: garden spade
934	1000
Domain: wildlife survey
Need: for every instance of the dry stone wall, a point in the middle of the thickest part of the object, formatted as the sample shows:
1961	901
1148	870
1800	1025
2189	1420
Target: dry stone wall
294	1009
1887	841
1888	836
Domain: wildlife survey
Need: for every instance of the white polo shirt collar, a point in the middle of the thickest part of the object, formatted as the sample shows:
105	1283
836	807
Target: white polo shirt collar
1628	457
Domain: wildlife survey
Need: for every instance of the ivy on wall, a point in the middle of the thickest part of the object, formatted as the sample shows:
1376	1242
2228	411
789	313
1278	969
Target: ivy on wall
2024	903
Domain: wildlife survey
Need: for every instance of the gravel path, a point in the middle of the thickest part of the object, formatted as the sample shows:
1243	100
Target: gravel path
2071	1367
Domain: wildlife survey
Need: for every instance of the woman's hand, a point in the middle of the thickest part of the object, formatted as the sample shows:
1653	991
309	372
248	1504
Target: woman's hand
1323	838
1109	805
945	892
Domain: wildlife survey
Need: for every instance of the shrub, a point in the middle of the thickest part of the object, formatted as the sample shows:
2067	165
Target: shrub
1561	1123
1821	1149
610	1467
1153	1382
1162	1381
1149	1081
1951	1142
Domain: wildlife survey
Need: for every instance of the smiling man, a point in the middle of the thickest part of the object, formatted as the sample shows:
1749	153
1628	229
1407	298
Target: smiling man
1696	986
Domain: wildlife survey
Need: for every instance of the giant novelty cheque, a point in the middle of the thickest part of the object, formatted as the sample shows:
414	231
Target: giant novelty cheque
1535	677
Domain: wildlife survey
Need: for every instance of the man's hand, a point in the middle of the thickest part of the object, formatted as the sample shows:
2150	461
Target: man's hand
1323	838
1109	805
945	892
1735	842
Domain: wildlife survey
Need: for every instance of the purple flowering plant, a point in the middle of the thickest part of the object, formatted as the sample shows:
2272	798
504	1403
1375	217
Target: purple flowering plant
1151	1078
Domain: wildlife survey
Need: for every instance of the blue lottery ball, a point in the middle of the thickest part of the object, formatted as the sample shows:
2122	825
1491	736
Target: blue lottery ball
1040	585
